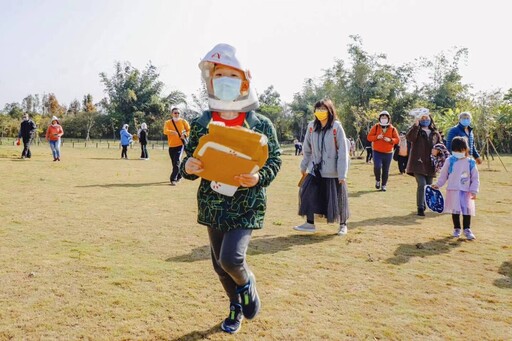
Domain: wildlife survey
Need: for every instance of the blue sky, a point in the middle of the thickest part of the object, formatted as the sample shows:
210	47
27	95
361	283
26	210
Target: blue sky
62	46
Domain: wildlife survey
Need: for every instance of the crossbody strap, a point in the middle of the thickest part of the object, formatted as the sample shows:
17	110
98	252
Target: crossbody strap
174	124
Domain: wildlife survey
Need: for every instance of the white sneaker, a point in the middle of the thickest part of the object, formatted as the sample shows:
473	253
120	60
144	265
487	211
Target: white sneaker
306	227
469	235
343	230
456	233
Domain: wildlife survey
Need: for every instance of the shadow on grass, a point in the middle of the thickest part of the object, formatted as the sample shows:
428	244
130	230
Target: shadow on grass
405	252
144	184
110	158
399	220
359	193
505	270
258	246
18	159
200	335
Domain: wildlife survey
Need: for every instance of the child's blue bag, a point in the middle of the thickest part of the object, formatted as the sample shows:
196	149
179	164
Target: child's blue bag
434	199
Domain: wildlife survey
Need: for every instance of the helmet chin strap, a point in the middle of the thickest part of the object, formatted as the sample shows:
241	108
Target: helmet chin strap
245	104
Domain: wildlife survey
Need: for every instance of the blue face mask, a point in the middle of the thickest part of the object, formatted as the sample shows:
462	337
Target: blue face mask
227	88
465	122
424	123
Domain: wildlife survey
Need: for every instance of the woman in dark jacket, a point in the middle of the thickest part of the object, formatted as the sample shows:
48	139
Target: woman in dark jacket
143	139
423	135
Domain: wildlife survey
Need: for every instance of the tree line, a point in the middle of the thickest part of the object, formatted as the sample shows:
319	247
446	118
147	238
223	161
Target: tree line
361	87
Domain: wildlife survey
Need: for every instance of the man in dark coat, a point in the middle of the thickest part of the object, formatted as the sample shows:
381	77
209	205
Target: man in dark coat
27	130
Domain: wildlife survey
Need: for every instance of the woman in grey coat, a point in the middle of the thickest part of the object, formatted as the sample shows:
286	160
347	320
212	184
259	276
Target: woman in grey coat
324	168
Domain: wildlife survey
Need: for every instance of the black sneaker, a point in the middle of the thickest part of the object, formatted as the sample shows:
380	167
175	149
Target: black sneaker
377	184
250	299
234	321
421	212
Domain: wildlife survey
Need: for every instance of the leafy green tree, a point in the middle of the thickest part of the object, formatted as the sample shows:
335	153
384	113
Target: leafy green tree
14	110
271	107
200	99
74	107
446	88
130	90
302	107
175	98
29	105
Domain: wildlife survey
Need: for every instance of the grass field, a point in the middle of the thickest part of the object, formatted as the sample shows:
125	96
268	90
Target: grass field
94	247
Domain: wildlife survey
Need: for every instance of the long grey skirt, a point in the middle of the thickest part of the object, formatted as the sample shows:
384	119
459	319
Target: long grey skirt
325	197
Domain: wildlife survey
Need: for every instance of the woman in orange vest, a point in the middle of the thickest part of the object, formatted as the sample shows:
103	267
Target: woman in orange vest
383	137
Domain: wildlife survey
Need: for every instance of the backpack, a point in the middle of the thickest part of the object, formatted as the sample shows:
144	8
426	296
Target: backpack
452	159
441	157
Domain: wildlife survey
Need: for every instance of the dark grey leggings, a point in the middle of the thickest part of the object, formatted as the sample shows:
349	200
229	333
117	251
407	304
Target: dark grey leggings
228	257
422	181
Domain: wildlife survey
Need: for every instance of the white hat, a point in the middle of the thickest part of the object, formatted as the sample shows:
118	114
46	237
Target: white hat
225	54
54	118
144	125
465	113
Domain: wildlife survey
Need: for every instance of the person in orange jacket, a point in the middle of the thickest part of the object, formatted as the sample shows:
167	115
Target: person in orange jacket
53	135
383	137
177	130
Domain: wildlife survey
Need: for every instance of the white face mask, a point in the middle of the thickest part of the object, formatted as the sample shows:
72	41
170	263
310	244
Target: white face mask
384	121
459	155
175	119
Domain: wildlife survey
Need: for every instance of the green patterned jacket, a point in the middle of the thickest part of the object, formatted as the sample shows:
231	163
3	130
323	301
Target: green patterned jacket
246	209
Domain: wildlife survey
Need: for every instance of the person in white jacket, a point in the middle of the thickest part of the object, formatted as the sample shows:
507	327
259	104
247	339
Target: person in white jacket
324	168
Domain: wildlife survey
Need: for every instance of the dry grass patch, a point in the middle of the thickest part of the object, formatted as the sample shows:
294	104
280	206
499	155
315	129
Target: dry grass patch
94	247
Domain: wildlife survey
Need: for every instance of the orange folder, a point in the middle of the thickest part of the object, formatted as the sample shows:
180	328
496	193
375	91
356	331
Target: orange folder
230	151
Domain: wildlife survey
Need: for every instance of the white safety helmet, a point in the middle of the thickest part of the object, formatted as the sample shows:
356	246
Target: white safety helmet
385	113
225	54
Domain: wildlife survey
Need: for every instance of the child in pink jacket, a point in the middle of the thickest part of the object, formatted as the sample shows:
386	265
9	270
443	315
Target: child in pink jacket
461	175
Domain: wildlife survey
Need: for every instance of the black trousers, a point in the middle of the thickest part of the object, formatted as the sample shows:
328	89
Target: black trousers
298	150
402	163
175	154
124	152
26	148
144	151
368	154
